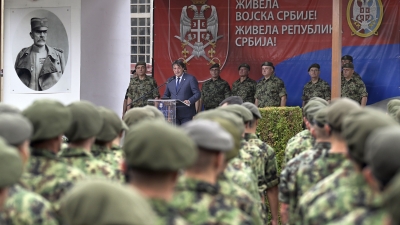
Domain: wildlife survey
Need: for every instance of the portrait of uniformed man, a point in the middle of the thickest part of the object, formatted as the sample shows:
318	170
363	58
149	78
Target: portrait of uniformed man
40	66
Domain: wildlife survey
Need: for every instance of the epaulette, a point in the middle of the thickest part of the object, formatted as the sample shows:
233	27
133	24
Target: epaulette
59	49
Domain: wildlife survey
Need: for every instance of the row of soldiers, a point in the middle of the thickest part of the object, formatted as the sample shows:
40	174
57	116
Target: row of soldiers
212	170
269	91
344	168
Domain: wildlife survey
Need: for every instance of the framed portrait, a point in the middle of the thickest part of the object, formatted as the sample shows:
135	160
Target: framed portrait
40	48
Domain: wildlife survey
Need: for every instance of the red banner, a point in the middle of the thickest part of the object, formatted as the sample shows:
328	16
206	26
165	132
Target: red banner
290	34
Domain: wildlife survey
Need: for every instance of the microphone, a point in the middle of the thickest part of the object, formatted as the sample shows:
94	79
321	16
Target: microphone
171	79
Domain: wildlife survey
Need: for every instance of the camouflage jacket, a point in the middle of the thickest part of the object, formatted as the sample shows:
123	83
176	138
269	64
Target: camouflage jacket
288	189
83	160
167	215
363	216
319	89
355	193
49	176
242	199
137	88
246	89
330	183
269	92
254	157
299	143
271	167
354	89
202	203
119	154
242	175
213	92
27	208
317	169
105	154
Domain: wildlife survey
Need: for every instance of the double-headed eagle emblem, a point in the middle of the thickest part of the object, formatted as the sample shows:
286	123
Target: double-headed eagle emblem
365	17
199	32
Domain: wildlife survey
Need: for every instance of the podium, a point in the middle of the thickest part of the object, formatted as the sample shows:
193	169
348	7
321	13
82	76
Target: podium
167	107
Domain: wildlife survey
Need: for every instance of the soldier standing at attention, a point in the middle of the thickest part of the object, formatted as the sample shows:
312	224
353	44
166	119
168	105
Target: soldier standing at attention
214	90
316	87
349	59
271	90
40	66
352	87
22	206
152	166
244	86
139	86
46	174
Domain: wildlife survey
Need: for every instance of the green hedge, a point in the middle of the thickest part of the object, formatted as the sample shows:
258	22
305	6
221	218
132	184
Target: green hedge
277	126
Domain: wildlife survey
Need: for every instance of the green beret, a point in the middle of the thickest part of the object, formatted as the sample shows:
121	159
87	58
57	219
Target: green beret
136	115
6	108
314	65
321	116
11	166
320	100
231	123
215	65
348	65
140	64
312	110
157	112
268	64
391	199
347	57
398	116
231	100
124	126
253	109
104	202
393	111
358	125
380	144
311	104
245	65
112	125
86	121
338	109
239	110
15	128
392	104
208	135
50	118
156	145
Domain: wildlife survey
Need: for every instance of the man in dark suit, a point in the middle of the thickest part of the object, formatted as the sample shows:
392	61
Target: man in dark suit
185	88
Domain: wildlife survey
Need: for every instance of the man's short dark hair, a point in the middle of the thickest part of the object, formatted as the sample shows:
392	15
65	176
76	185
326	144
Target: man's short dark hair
179	63
232	100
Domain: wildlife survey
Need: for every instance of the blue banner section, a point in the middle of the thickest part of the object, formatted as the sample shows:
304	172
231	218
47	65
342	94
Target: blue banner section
379	67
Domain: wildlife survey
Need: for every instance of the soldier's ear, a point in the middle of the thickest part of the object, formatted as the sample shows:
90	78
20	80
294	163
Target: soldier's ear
30	34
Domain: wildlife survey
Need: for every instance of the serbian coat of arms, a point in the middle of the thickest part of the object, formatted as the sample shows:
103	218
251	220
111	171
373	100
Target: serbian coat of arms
364	17
199	33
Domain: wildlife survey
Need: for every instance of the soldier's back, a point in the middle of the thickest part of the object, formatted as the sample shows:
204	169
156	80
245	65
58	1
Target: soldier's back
167	214
297	144
363	216
27	208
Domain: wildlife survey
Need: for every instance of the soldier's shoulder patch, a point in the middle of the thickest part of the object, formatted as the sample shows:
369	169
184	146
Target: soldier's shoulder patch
59	49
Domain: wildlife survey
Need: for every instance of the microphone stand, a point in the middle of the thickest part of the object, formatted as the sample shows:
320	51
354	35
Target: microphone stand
147	93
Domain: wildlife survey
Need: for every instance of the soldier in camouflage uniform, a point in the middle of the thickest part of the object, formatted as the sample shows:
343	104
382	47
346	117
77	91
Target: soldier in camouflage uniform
353	88
140	86
101	149
303	140
46	174
271	168
354	191
270	91
214	90
316	87
87	122
22	206
199	197
348	59
287	187
244	86
107	203
153	172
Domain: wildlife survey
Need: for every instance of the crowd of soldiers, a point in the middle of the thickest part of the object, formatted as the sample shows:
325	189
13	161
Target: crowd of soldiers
64	165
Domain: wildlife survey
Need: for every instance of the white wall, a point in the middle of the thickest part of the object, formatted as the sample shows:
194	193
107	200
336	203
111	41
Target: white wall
105	52
22	100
